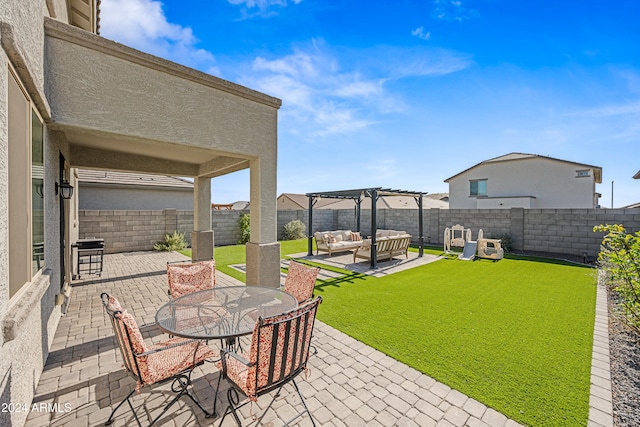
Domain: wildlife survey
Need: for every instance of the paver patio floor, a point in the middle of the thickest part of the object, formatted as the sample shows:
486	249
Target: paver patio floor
348	383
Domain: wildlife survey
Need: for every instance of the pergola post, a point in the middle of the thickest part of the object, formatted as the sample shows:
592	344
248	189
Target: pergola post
374	229
420	229
357	196
310	227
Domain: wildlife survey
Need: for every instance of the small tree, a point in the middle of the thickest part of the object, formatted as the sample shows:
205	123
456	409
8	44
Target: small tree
245	228
173	242
506	241
620	254
294	230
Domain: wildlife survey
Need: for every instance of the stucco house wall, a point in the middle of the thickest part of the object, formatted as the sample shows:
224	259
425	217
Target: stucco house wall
529	182
108	190
28	320
84	88
99	197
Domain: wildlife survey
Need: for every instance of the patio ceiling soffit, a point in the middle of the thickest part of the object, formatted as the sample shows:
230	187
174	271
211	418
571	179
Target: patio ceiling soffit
222	165
96	158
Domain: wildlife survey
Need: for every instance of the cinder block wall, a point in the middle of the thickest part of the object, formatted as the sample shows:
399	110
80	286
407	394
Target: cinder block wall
558	231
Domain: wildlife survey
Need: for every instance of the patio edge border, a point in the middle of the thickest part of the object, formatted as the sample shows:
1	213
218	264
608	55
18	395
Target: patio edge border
600	399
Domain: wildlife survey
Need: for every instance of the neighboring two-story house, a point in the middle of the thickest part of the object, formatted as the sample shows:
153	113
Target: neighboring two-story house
525	181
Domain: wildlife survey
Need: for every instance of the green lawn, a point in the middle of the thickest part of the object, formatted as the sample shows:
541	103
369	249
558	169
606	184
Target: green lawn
515	335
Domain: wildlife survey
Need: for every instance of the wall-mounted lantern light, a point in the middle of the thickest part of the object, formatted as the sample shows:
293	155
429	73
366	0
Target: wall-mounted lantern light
65	190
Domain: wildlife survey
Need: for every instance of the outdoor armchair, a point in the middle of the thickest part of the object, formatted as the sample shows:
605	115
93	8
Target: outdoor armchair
279	352
300	281
190	276
170	360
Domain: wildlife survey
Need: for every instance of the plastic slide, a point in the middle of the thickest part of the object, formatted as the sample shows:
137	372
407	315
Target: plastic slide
469	251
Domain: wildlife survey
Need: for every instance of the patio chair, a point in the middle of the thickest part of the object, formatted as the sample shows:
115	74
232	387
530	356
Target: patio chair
186	277
300	281
171	360
279	352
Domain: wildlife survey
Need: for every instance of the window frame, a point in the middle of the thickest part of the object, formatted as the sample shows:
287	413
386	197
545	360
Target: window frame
21	192
477	192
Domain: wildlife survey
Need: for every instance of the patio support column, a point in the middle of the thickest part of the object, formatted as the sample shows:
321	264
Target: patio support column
202	235
263	248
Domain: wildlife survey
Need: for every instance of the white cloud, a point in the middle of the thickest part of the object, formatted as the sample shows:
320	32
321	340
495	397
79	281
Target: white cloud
327	91
383	169
142	24
264	7
262	4
420	33
630	108
453	10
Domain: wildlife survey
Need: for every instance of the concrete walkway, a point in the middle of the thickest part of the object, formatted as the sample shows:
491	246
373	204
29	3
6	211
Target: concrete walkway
349	383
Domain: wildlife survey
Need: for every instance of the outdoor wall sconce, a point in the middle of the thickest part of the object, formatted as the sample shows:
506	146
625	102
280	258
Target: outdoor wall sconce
65	190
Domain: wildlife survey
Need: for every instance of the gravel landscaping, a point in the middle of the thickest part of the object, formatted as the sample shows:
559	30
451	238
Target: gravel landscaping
624	347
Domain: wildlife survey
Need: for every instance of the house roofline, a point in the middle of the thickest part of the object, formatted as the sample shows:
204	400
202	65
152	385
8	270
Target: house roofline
598	176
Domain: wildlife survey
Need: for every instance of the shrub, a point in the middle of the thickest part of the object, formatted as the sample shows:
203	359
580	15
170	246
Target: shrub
173	242
294	230
620	255
245	229
506	241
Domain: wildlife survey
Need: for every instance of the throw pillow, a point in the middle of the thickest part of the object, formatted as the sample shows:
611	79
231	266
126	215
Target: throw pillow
332	238
325	237
355	236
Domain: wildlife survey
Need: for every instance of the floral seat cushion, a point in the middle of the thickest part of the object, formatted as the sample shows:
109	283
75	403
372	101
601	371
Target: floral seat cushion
301	281
185	278
251	379
164	364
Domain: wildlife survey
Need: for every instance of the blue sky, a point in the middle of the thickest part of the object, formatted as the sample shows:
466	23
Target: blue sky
406	93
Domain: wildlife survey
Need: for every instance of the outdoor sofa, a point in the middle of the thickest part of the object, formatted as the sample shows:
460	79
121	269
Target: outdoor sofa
390	243
337	241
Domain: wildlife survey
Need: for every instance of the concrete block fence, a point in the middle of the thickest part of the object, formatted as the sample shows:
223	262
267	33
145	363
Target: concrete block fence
553	231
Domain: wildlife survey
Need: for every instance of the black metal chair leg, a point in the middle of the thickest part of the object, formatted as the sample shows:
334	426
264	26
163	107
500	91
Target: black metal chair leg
126	399
275	396
183	381
215	396
234	399
303	402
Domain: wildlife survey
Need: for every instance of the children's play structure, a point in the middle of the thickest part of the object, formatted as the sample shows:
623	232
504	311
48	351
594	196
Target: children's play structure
458	236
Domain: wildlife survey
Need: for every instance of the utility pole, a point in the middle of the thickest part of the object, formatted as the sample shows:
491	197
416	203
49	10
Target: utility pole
611	194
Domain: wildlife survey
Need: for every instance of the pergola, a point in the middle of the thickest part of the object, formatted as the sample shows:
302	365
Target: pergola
358	196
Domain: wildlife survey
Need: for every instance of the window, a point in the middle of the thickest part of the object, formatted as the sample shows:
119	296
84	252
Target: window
37	193
478	187
25	184
582	173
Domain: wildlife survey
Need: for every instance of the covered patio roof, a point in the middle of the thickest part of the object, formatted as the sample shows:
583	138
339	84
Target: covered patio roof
357	195
115	108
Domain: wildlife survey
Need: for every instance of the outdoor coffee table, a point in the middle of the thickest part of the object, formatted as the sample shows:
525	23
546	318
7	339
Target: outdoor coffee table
225	312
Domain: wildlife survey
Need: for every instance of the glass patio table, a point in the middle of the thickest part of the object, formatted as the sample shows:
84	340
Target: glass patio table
224	312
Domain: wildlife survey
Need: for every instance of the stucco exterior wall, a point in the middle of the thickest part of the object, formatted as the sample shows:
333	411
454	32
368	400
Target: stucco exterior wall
553	184
241	126
30	318
101	197
5	354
